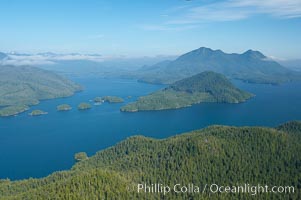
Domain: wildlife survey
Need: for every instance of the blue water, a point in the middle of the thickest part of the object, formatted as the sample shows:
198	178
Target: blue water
38	146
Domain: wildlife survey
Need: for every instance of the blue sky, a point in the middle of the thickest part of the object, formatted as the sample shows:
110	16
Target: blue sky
154	27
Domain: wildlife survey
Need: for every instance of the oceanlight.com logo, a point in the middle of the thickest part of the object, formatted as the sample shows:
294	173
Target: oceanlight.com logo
214	189
251	189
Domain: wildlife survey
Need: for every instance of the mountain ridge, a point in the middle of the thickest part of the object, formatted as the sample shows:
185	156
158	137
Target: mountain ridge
250	66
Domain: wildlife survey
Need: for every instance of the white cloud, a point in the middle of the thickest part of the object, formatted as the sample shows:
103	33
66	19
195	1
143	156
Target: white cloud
164	15
96	58
276	8
47	58
229	10
97	36
20	62
167	27
274	58
232	10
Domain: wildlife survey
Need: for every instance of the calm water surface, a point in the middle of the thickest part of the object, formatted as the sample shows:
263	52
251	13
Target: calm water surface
37	146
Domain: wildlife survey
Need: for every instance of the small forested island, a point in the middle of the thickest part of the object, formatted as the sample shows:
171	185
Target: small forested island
13	110
84	106
63	107
37	113
98	100
112	99
204	87
216	154
80	156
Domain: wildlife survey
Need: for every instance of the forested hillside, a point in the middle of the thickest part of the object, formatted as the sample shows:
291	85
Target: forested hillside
218	154
22	86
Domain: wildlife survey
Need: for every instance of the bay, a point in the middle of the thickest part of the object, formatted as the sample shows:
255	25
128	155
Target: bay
37	146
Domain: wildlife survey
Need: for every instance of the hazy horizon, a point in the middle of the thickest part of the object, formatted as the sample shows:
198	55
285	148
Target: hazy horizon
152	28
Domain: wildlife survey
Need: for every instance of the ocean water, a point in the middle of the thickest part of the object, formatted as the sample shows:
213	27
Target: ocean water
37	146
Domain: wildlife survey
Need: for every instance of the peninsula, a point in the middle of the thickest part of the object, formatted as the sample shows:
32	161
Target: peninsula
204	87
24	86
38	113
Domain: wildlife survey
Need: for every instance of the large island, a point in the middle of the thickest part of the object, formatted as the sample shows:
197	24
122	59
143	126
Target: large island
204	87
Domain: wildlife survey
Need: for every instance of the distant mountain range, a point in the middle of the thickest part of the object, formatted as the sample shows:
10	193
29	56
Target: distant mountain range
23	86
77	64
251	66
136	62
204	87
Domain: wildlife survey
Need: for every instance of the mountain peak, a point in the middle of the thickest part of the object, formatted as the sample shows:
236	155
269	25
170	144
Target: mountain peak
202	51
254	54
207	50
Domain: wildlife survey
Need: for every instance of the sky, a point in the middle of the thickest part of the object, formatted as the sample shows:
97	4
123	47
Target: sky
151	27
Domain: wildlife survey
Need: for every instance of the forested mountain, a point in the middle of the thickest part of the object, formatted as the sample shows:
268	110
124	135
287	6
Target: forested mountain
251	66
204	87
22	86
218	154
